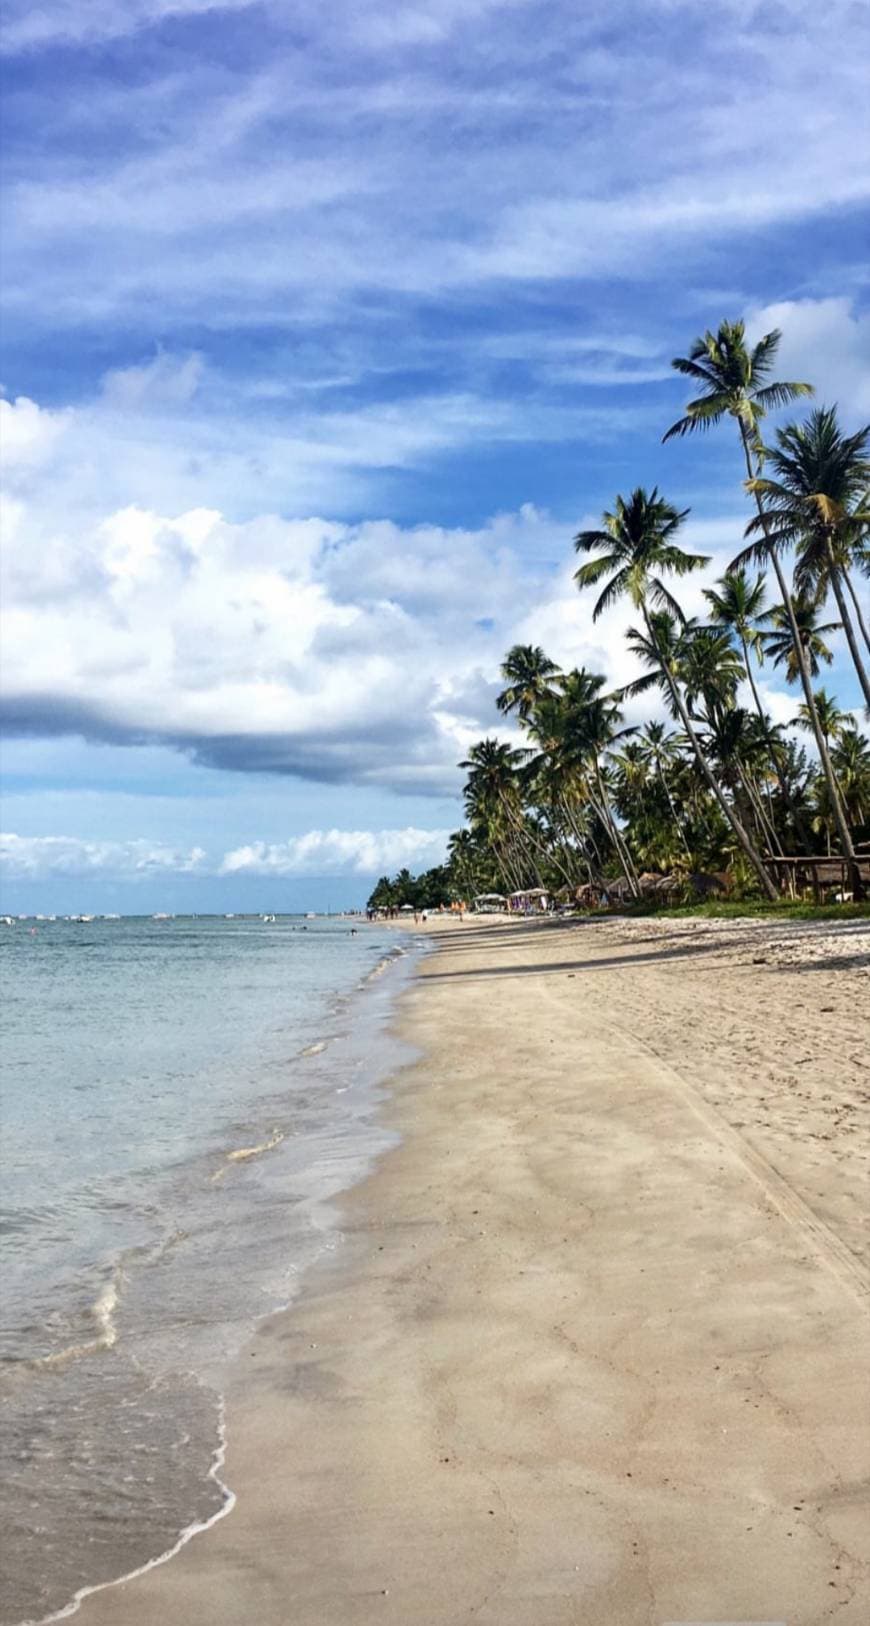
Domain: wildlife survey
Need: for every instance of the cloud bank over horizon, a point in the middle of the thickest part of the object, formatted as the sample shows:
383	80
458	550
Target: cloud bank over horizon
317	853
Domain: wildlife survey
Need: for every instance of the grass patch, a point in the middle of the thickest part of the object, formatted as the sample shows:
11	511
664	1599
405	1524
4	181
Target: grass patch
758	908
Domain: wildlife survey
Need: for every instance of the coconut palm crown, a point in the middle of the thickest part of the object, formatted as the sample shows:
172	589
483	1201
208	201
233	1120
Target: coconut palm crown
735	379
638	546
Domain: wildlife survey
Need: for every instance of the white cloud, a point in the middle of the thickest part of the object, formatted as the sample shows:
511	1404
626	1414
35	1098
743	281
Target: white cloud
167	380
32	857
50	22
341	653
345	852
28	433
316	852
632	147
825	342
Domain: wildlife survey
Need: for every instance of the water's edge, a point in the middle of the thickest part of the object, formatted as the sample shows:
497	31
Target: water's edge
392	975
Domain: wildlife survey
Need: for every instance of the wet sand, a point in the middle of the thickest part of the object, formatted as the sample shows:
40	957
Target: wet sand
595	1349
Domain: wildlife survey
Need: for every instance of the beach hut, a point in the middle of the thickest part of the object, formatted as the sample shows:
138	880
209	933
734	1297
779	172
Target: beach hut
535	900
488	903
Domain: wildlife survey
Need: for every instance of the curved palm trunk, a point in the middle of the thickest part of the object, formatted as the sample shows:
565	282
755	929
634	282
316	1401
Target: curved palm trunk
579	837
728	812
859	613
764	824
846	619
622	851
674	814
848	850
797	816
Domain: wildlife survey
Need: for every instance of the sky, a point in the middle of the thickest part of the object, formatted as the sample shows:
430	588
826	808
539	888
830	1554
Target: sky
326	328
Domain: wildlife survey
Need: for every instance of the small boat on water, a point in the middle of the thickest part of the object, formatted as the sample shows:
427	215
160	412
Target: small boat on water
269	920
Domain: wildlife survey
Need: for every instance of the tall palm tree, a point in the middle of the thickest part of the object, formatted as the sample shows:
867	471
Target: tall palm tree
571	732
661	751
832	720
736	382
711	670
494	807
740	605
812	504
635	548
779	640
851	758
531	677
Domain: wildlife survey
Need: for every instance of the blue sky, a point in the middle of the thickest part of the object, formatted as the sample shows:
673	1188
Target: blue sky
326	329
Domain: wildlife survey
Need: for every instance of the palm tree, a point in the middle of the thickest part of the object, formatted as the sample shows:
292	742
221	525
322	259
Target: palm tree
832	721
739	605
735	382
779	641
571	731
494	807
661	751
464	858
711	670
851	758
530	674
813	506
635	548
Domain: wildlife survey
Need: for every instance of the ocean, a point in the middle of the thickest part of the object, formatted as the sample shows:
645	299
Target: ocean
181	1099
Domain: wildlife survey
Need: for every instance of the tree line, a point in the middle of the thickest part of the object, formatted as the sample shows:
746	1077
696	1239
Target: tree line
720	786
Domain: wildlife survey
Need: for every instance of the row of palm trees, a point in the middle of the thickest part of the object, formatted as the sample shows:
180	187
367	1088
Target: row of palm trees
585	795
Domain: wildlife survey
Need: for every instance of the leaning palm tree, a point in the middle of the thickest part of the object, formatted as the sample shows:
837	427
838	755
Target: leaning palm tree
812	504
661	751
494	807
735	382
635	549
779	640
530	678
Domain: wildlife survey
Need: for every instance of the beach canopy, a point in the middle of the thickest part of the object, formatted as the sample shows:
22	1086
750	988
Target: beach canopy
530	892
490	897
406	908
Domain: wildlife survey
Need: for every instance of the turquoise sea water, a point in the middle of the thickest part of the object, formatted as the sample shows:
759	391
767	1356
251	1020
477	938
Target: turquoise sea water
180	1099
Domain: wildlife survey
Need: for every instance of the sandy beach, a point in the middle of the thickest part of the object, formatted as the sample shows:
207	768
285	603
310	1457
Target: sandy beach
595	1347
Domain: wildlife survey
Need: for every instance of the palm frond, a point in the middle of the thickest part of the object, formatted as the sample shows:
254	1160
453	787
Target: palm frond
781	394
700	414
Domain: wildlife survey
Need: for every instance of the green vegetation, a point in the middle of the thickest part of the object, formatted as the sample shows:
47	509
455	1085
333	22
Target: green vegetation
426	891
711	801
757	908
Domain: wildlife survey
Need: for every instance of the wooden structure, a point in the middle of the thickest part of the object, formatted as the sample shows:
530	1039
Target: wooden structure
819	874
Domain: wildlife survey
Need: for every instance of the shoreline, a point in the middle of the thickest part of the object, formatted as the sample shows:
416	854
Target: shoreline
469	1410
271	1191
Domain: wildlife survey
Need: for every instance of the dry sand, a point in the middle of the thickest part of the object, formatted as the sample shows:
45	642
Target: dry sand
595	1350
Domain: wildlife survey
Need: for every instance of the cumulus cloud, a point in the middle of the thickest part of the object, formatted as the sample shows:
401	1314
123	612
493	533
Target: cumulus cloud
825	342
340	653
316	852
345	852
34	857
28	434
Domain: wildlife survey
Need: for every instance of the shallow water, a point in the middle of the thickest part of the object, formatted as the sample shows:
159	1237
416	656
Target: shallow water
180	1100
